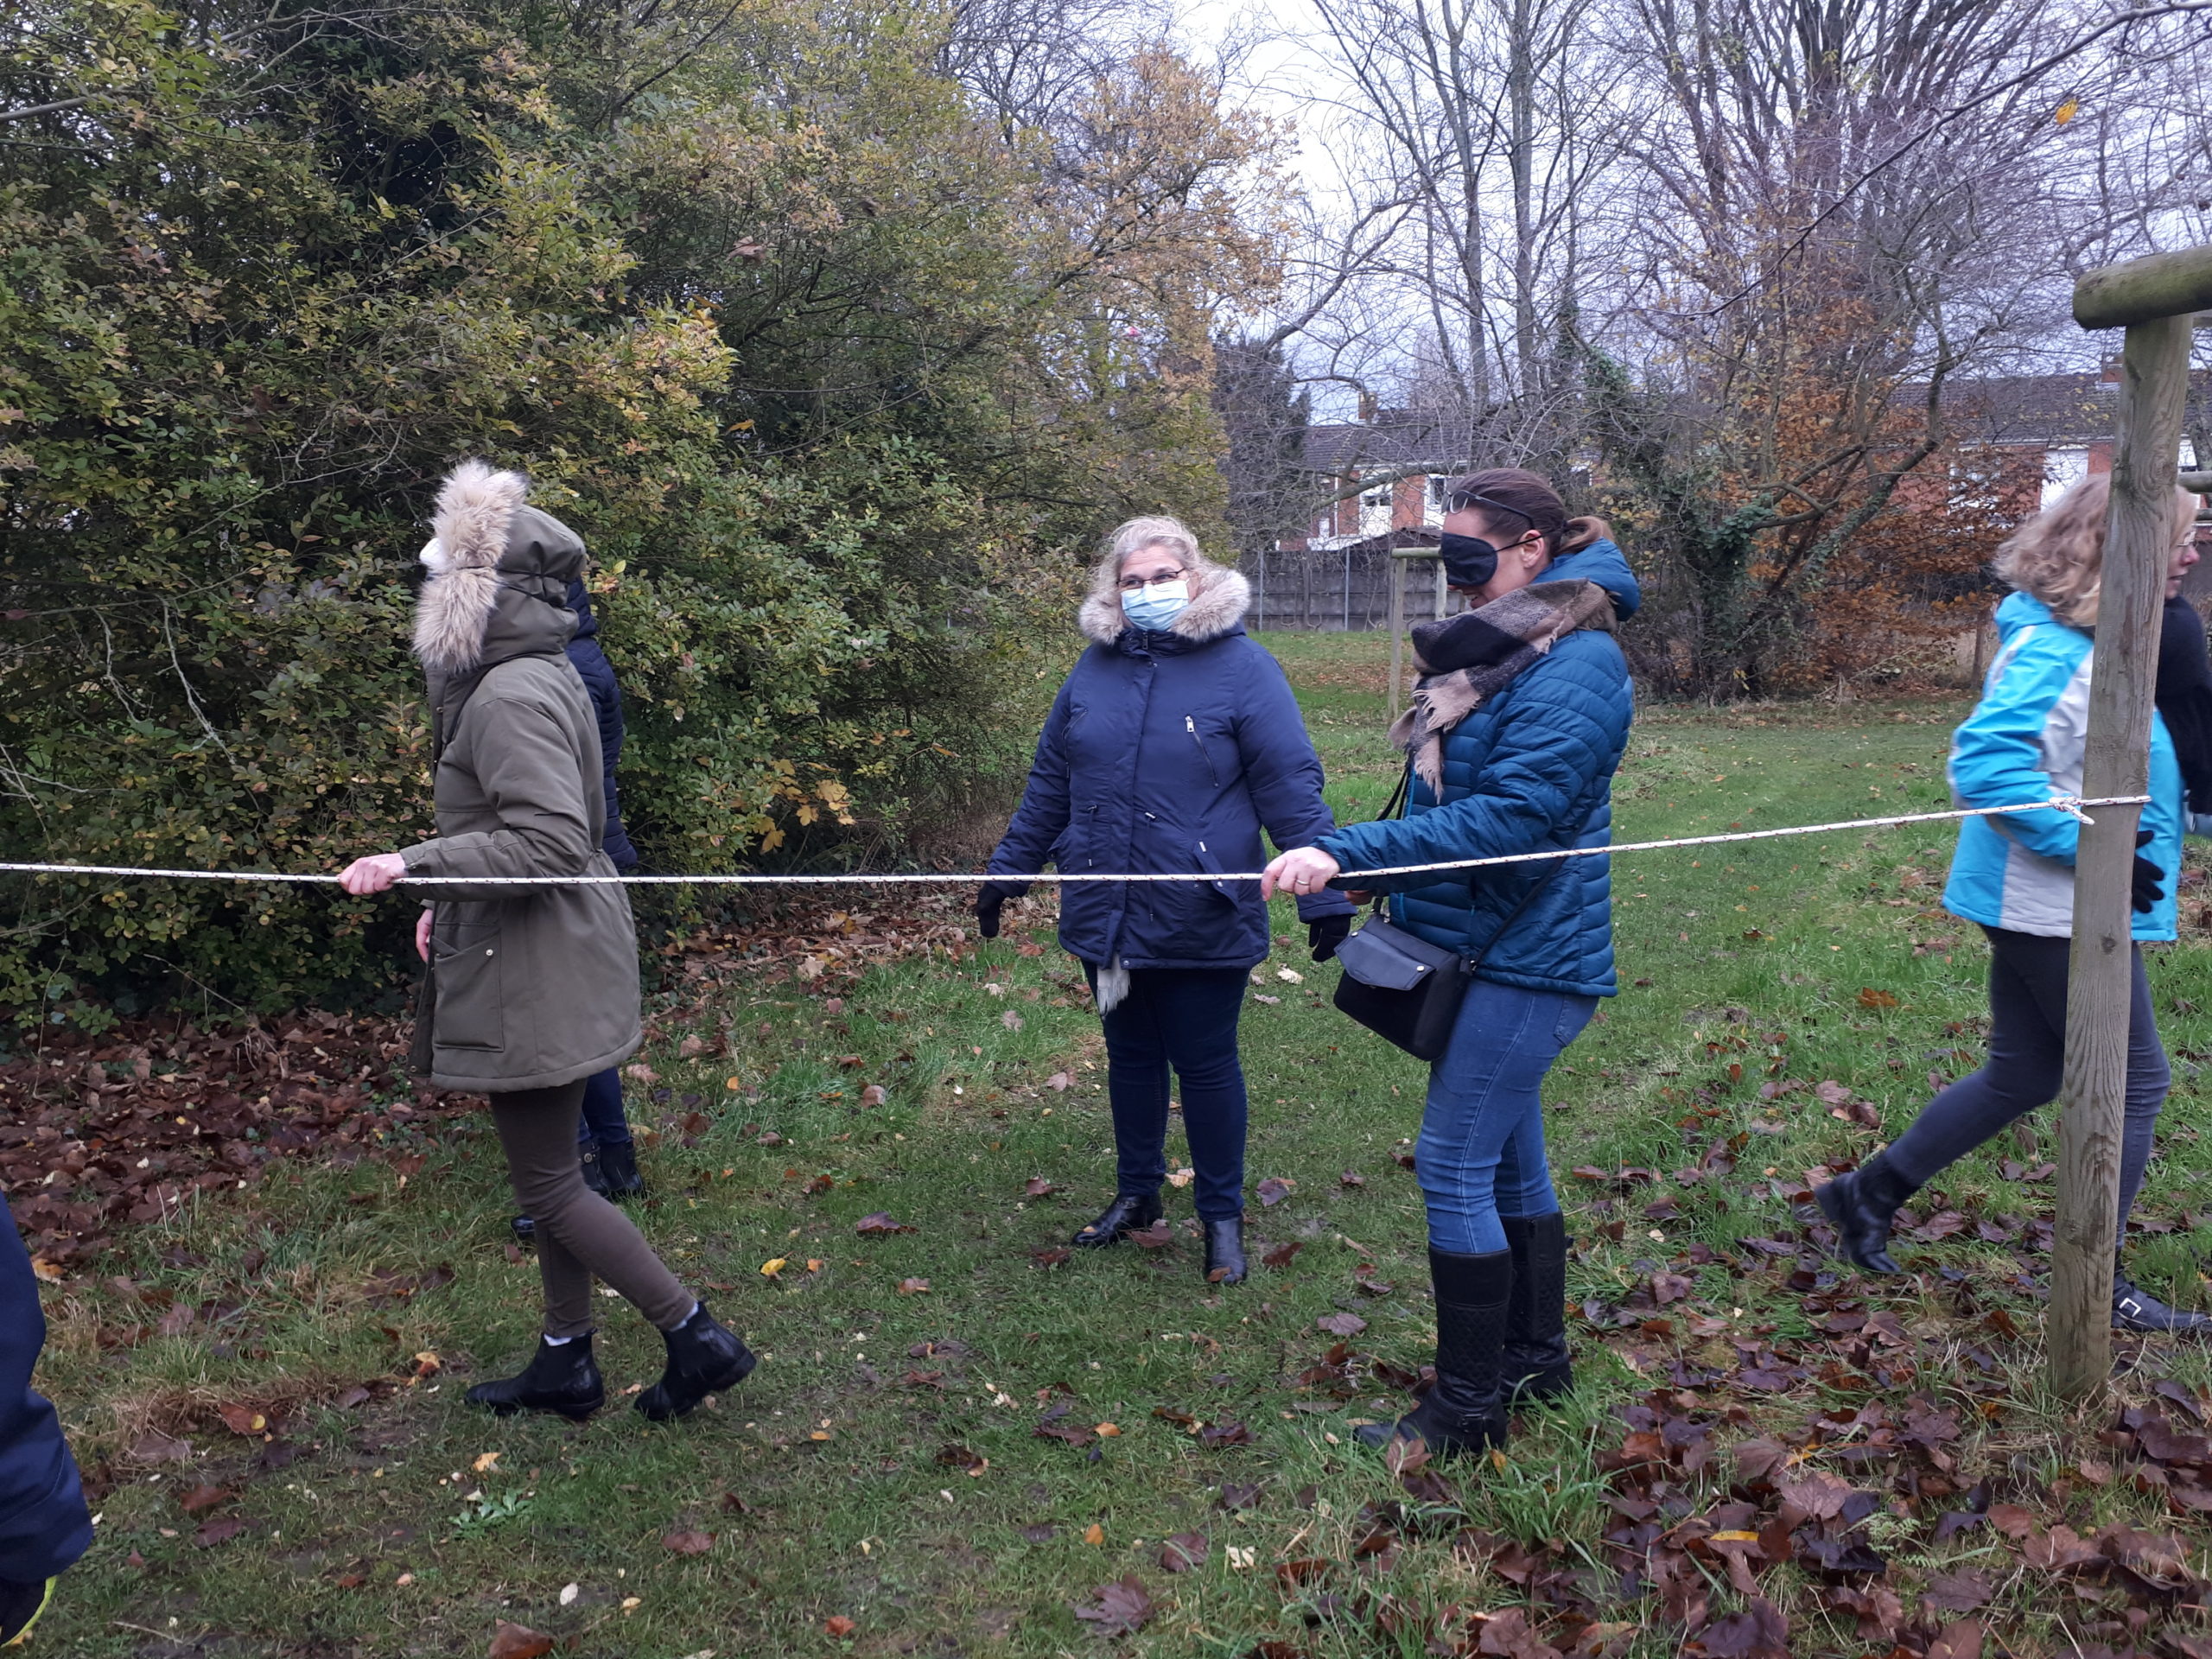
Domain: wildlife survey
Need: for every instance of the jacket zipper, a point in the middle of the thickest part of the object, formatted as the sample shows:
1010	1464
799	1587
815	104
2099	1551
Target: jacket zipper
1192	726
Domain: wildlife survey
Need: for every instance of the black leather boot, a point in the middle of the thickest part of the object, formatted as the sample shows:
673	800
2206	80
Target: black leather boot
2136	1309
1861	1204
1538	1365
704	1357
1224	1250
1128	1212
587	1156
618	1166
1466	1411
561	1376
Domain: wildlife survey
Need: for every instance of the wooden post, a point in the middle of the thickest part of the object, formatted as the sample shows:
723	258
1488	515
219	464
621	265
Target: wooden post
2154	377
1398	569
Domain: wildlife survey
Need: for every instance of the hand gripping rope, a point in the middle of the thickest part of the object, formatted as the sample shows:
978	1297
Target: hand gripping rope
2072	805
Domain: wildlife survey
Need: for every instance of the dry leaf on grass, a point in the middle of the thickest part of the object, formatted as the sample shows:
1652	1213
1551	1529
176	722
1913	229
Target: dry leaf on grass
880	1222
1122	1607
519	1642
687	1542
1183	1552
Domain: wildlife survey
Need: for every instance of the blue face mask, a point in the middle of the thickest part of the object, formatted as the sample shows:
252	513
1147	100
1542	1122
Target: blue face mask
1155	609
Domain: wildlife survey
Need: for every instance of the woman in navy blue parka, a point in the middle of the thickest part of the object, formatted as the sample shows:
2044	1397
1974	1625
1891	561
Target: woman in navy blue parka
1174	742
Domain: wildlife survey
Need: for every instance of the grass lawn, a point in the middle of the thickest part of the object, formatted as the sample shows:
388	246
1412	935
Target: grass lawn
886	1466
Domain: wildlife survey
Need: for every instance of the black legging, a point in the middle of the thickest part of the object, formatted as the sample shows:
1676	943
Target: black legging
2027	1056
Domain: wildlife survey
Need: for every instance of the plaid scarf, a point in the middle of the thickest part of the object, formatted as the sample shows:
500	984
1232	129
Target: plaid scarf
1465	660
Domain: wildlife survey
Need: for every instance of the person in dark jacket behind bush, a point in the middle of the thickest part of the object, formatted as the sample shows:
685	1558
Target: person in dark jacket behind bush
533	988
604	1148
44	1526
1174	739
1519	721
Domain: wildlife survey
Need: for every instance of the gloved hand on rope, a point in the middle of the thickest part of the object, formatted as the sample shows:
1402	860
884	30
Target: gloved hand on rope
2150	883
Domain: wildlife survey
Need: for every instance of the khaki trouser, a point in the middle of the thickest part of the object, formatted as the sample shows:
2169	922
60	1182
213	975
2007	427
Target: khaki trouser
580	1236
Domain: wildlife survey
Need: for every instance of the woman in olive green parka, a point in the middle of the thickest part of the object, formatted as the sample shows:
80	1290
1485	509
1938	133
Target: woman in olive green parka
532	988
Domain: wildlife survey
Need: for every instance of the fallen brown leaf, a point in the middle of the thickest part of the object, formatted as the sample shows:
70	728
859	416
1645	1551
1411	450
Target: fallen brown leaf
519	1642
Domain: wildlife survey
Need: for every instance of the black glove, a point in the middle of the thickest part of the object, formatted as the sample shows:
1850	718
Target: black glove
1326	934
988	898
2150	885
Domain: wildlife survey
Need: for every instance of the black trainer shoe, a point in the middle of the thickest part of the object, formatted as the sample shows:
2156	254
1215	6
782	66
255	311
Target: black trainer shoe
561	1377
1128	1213
526	1229
704	1357
618	1165
1224	1250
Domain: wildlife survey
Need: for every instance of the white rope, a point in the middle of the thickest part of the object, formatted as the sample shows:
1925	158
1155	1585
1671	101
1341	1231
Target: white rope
2070	804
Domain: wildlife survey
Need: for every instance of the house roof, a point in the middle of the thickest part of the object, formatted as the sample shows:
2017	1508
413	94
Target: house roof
1395	438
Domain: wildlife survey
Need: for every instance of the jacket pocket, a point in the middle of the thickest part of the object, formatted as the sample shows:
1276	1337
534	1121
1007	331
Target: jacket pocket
1211	866
471	1009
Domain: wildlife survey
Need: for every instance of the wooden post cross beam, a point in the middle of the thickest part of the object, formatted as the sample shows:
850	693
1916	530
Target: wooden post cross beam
2152	299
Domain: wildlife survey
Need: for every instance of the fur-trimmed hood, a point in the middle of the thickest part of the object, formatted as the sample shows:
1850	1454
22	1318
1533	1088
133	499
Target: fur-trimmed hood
1219	598
500	573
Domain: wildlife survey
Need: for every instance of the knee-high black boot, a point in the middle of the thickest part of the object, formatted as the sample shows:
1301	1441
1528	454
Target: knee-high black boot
1538	1364
1466	1411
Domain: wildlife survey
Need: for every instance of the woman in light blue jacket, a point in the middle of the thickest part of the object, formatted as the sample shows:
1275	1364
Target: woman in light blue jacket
2014	876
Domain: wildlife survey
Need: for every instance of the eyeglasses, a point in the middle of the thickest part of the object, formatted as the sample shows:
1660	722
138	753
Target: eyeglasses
1138	584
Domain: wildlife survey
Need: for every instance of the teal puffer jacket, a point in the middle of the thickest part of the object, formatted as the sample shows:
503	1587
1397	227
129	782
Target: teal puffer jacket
1532	769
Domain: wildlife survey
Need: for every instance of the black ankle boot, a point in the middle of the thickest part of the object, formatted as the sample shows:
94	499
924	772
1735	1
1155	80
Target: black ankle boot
1128	1212
1537	1365
1860	1204
618	1166
595	1175
1224	1250
2136	1310
1466	1411
561	1376
704	1357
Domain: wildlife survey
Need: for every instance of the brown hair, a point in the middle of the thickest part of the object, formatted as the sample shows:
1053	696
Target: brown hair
2058	555
1515	493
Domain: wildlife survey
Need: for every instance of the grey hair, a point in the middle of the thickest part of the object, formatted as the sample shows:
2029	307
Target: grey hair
1154	530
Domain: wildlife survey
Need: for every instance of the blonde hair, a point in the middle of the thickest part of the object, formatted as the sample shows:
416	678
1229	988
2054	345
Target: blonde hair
2058	555
1152	530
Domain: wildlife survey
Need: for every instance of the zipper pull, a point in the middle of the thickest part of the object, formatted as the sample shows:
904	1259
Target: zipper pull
1190	725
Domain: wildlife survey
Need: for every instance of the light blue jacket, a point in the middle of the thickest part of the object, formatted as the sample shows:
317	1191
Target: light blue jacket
2024	742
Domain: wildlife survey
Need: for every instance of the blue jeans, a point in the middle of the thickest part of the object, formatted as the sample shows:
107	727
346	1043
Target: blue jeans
602	1120
1184	1018
1481	1152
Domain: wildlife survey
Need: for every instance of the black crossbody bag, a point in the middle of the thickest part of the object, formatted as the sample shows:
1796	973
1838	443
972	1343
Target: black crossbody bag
1407	991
